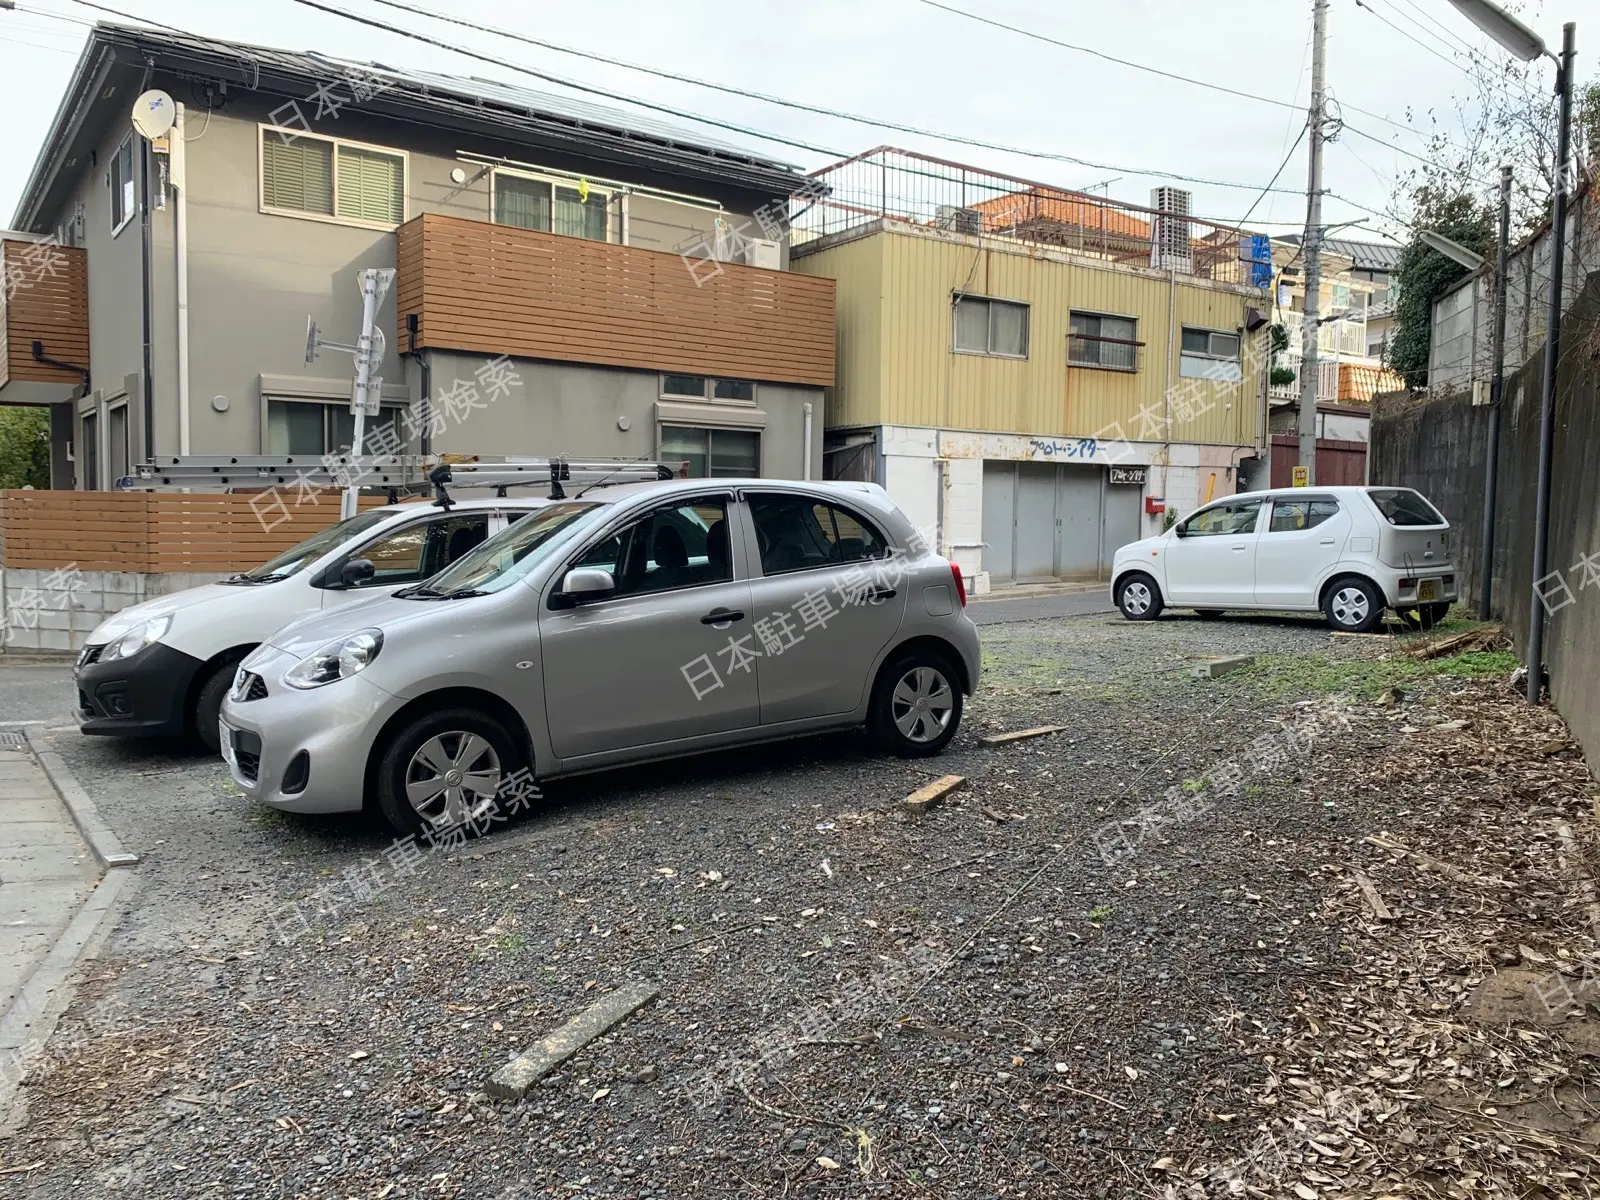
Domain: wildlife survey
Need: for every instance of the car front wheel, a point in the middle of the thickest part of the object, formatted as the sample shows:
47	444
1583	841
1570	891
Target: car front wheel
445	769
1353	606
916	705
1139	598
208	705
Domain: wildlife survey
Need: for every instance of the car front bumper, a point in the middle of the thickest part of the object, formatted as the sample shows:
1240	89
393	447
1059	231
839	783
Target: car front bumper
146	695
334	727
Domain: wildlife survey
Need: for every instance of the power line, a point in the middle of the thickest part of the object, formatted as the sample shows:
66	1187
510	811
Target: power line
767	98
745	130
1275	175
1410	38
1440	26
1216	87
130	17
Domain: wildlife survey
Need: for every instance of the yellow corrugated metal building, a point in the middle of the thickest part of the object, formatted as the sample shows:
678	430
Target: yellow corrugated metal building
1102	385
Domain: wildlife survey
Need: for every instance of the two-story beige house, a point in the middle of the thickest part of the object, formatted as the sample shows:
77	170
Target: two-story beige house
569	279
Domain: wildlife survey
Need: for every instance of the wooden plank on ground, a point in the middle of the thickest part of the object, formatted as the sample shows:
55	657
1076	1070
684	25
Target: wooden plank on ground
924	798
512	1081
1020	735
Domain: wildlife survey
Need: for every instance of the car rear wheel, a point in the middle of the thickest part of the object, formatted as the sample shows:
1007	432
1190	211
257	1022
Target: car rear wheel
916	704
1139	598
445	769
1353	605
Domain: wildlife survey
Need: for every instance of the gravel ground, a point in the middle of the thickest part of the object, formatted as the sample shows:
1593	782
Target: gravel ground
853	1001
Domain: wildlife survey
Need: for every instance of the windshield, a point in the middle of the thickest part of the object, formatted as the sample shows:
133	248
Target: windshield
314	547
1402	506
504	559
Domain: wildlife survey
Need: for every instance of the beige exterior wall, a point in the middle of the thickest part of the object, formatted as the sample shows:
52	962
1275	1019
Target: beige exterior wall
896	363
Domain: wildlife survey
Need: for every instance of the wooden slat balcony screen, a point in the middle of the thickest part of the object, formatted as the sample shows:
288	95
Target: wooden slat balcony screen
44	296
151	532
494	289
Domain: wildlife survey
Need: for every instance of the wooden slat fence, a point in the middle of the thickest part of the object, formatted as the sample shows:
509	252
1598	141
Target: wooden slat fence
495	289
46	299
149	532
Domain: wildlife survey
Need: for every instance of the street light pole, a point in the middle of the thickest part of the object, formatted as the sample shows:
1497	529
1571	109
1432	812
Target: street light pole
1491	470
1552	360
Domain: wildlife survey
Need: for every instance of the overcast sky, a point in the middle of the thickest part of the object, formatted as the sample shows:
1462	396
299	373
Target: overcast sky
908	62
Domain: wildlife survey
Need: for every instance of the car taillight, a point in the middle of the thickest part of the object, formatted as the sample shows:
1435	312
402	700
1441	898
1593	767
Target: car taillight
961	584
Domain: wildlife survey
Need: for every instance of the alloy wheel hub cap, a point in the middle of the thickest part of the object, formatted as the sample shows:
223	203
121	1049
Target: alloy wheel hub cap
452	777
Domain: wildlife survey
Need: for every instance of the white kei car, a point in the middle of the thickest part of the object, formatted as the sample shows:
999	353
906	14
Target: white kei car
1349	552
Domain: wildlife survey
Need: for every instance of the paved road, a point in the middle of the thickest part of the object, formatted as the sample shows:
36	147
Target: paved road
992	610
36	693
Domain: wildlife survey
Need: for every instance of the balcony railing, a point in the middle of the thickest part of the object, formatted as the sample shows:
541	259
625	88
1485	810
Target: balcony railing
495	289
1348	338
44	320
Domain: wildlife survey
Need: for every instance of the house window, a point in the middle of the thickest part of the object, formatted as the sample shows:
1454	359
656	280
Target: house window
713	453
89	452
985	326
314	429
1210	354
117	442
306	174
1101	341
572	210
701	387
124	201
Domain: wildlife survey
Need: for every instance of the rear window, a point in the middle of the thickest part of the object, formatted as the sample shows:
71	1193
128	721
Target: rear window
1402	506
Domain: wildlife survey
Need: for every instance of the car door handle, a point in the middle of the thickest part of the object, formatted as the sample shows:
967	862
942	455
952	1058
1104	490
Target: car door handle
721	616
1240	549
1327	541
881	594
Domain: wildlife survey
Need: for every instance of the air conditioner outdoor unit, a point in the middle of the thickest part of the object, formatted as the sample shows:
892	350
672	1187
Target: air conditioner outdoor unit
958	220
1171	246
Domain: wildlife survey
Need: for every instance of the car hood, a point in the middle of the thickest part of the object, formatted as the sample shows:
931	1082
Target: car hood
310	633
215	597
1141	548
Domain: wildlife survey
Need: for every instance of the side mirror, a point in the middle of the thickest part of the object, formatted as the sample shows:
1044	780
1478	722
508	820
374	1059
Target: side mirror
356	572
1181	529
587	583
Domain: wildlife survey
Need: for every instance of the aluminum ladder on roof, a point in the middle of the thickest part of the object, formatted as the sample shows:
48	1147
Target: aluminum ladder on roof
396	473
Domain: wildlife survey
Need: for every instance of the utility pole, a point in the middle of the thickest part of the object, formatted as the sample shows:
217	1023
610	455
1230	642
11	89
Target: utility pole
1552	359
1491	470
1313	246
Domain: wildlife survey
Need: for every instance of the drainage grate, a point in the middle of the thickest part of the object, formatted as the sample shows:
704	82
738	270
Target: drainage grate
12	739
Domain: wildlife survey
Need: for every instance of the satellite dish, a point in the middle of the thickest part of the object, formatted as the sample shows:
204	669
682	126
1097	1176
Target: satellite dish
154	114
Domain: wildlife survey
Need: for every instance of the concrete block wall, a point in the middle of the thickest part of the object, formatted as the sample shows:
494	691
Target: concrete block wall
56	610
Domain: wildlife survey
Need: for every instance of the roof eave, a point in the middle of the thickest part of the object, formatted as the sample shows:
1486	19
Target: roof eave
87	79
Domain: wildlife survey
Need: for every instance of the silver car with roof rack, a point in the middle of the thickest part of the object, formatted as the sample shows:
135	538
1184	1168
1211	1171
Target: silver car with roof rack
632	623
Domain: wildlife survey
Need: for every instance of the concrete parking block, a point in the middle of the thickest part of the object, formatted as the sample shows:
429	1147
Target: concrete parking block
512	1081
1215	667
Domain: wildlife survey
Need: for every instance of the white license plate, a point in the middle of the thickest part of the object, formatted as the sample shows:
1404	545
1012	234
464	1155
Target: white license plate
1428	589
225	739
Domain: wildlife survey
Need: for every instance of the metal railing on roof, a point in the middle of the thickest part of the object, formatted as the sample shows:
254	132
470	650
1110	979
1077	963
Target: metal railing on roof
940	195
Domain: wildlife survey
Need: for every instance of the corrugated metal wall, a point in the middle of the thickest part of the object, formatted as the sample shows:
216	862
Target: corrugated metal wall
896	365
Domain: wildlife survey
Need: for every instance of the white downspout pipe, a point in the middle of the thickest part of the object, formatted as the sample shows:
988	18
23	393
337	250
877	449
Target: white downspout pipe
806	459
181	237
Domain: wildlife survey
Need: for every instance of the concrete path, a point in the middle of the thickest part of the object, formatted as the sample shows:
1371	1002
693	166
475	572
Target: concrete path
46	871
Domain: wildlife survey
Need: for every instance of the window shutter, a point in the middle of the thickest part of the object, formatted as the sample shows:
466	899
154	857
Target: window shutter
296	174
371	186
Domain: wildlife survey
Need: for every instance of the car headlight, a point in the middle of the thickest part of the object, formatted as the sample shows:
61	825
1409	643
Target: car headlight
337	660
137	638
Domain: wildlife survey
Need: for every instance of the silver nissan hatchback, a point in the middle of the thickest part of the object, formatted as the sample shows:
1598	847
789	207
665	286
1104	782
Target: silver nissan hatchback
624	624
